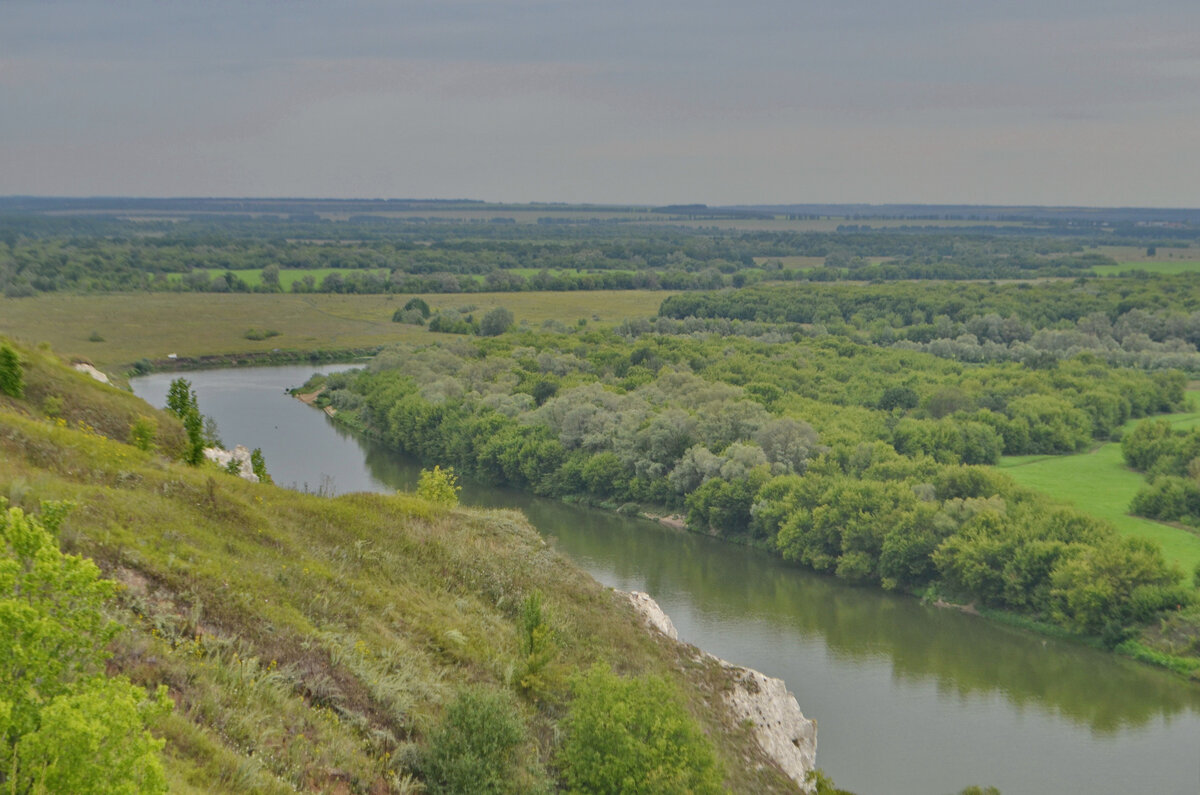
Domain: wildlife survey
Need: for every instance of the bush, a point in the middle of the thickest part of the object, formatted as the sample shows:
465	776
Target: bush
439	486
474	750
64	727
633	735
141	433
12	380
419	305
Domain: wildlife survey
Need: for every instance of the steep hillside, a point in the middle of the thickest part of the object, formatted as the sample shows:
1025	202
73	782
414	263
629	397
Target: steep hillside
334	644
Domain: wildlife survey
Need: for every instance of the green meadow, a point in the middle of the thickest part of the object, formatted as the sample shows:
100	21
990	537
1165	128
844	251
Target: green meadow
1168	267
1100	483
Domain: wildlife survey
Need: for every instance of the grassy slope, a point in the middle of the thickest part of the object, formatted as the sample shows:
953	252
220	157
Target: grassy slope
193	324
310	643
1101	484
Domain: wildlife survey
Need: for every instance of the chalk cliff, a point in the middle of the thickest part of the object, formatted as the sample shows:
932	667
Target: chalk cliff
780	728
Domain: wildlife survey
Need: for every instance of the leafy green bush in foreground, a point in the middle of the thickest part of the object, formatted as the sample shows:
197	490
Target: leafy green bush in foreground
632	735
64	726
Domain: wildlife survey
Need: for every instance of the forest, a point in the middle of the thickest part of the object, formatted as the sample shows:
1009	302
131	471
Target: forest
859	460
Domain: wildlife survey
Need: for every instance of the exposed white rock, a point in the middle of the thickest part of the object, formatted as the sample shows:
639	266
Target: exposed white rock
84	367
654	615
780	728
239	454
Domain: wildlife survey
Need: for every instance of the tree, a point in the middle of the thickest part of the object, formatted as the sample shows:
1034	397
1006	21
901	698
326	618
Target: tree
258	464
496	322
270	278
12	380
180	397
181	401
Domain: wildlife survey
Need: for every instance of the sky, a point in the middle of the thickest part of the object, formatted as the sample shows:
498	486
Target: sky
1051	102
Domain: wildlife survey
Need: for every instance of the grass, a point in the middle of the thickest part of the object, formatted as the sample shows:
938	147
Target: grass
312	643
154	325
1170	266
1099	483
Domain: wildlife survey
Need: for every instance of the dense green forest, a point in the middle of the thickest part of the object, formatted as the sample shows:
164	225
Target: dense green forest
854	459
1138	322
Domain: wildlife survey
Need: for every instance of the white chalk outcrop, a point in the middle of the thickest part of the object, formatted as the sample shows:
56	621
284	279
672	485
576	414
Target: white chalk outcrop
780	728
84	367
239	454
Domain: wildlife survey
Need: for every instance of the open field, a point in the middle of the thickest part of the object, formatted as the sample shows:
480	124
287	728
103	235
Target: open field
1100	484
1168	266
152	325
1137	254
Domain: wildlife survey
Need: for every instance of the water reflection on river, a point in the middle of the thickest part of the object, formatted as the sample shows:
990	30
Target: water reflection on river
909	698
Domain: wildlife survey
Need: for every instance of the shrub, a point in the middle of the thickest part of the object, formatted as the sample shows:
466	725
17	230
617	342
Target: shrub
12	380
474	750
439	486
52	405
141	433
64	727
419	305
633	735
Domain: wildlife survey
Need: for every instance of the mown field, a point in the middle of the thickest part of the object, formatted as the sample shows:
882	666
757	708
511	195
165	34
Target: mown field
152	325
1099	482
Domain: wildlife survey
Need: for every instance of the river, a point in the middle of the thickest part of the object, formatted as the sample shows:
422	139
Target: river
910	699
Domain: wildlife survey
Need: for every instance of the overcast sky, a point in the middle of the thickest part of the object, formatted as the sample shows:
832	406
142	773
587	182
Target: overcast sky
1091	102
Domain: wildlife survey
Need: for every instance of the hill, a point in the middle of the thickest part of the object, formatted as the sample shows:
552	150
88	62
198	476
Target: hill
340	644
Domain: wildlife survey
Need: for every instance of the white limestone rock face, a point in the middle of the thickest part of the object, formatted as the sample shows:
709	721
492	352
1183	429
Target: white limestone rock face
652	613
240	454
84	367
780	728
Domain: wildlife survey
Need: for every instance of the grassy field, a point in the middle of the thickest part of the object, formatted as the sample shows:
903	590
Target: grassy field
1170	266
153	325
1099	483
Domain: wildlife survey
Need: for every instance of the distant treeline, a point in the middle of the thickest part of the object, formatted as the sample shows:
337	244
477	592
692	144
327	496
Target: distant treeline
1148	323
214	253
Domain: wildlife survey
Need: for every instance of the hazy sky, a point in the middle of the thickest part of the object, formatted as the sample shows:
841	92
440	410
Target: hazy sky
1092	102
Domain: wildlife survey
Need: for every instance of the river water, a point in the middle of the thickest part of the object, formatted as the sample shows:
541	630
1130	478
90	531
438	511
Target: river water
910	700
